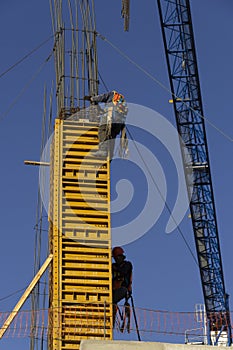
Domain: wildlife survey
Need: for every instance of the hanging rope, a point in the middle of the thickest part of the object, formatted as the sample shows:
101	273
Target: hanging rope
164	87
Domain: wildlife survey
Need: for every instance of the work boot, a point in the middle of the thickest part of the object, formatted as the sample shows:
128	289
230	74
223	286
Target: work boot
102	151
101	154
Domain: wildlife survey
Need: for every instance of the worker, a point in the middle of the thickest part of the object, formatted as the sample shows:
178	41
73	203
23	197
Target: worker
109	129
121	278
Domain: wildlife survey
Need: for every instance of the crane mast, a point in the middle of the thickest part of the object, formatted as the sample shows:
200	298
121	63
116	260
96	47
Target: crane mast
178	38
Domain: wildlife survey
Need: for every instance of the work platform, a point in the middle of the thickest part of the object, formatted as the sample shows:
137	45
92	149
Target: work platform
80	237
134	345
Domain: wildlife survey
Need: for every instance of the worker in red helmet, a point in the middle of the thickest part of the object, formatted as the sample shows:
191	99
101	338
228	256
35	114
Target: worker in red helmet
121	277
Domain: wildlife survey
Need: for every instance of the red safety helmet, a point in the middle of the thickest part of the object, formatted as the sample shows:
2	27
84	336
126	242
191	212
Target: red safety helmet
117	251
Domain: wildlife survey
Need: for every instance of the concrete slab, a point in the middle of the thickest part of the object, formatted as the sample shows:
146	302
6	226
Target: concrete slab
135	345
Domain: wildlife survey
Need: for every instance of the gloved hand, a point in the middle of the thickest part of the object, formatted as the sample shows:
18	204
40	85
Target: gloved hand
129	293
87	98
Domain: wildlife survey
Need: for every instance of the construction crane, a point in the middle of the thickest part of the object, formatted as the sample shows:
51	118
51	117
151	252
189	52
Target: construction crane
178	38
80	292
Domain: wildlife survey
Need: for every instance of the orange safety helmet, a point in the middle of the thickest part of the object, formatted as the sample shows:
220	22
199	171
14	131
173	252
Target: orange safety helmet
117	98
117	251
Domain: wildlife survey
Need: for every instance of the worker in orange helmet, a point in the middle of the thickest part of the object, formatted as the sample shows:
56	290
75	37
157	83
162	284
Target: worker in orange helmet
109	129
121	277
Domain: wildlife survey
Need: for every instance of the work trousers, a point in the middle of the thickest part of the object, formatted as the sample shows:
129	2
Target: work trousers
119	294
104	136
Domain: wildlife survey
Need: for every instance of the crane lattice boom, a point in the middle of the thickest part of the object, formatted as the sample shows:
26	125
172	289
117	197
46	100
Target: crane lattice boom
177	31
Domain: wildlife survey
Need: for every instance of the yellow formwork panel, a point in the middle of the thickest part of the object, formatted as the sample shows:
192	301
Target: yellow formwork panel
80	238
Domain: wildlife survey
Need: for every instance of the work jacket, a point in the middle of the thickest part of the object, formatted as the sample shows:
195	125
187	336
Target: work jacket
117	102
122	275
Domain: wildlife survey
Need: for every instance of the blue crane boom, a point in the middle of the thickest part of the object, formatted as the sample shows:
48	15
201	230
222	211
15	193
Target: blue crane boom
177	32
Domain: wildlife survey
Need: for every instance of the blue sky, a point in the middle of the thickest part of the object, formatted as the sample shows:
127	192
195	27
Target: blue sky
165	274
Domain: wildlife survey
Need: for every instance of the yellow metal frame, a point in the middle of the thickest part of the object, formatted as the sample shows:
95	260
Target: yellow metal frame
80	238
